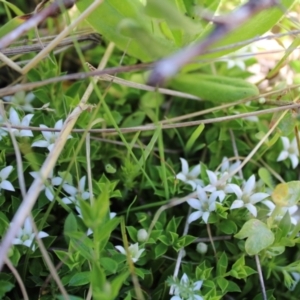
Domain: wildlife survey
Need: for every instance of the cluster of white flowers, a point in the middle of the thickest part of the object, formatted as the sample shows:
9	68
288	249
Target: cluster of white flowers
209	196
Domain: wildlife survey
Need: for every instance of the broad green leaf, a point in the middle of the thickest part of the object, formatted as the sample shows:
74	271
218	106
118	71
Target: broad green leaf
214	88
258	235
222	283
222	265
266	177
79	279
160	250
5	286
117	282
109	264
124	23
287	194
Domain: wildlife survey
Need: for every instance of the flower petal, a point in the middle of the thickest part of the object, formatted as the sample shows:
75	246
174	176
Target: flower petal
194	203
237	204
195	172
257	197
6	185
194	216
234	188
42	234
285	142
205	217
249	185
121	249
283	155
40	144
4	173
294	160
251	208
212	177
184	166
14	117
70	189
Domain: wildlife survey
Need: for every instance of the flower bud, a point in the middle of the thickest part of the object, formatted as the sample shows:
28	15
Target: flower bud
142	235
201	248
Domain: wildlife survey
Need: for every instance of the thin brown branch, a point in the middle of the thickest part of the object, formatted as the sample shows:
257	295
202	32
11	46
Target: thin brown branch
150	127
35	20
65	42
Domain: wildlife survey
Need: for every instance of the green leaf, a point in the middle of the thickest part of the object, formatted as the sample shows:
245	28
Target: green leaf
117	282
125	24
79	279
109	264
266	177
233	287
222	265
5	286
193	138
214	88
222	283
287	194
228	227
160	250
258	235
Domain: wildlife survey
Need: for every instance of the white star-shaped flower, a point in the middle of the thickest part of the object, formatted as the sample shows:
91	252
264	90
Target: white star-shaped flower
247	197
49	137
218	183
4	183
26	235
14	120
186	289
204	205
134	251
53	181
189	177
290	150
290	209
75	193
22	100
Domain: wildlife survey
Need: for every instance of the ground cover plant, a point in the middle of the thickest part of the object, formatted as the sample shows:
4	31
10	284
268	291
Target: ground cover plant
149	150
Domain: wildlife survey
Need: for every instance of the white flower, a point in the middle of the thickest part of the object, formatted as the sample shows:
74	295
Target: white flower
26	235
189	177
134	251
53	181
290	150
247	197
203	205
22	100
50	137
290	209
4	183
227	166
185	290
75	193
14	120
217	183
